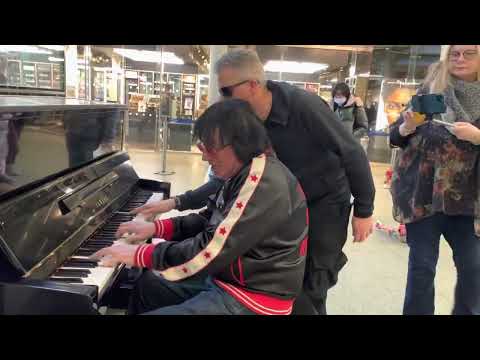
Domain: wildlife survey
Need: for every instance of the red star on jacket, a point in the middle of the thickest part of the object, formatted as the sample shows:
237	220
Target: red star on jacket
207	255
184	270
239	205
254	178
223	231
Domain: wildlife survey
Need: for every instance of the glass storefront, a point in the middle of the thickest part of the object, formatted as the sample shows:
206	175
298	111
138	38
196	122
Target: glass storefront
32	68
167	86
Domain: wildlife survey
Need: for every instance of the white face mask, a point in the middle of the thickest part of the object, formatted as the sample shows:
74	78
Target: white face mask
339	100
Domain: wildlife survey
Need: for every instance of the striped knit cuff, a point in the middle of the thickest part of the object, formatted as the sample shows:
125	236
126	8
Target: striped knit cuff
163	229
144	256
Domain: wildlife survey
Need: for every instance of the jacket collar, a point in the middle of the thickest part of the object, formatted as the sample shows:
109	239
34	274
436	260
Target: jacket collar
280	102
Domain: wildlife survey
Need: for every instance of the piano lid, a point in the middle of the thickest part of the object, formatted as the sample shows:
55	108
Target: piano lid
39	143
50	103
34	224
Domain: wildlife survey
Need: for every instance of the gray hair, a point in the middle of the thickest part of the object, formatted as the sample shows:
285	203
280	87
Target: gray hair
245	61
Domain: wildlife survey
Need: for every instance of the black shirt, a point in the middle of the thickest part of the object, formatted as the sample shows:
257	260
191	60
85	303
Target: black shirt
326	159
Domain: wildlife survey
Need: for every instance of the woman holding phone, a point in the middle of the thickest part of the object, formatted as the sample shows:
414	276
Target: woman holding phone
436	180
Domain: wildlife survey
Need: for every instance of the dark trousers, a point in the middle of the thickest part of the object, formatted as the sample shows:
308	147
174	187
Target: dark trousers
328	229
80	151
153	295
423	238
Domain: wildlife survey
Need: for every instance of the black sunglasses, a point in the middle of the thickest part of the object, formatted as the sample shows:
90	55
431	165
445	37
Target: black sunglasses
227	91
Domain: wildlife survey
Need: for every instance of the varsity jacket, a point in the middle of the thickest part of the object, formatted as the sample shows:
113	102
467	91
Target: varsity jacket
252	239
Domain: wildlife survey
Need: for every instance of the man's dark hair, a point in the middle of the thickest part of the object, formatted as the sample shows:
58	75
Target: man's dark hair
237	126
342	88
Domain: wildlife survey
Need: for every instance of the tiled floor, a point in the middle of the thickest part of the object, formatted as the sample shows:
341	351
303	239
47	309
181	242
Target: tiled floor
372	282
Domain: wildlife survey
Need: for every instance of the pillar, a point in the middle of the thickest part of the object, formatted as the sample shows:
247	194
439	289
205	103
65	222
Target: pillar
216	52
71	73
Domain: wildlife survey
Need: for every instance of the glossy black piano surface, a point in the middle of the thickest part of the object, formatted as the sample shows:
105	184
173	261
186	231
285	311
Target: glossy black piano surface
62	206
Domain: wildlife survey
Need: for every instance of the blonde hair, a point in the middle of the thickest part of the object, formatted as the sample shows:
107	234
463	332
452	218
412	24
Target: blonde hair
438	77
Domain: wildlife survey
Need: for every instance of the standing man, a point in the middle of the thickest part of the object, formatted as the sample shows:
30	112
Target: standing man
329	164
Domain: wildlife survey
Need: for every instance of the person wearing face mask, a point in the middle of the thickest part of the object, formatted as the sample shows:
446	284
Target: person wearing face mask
349	110
435	183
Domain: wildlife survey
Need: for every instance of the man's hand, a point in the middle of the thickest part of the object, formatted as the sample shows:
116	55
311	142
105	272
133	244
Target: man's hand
466	131
116	254
138	230
362	228
154	208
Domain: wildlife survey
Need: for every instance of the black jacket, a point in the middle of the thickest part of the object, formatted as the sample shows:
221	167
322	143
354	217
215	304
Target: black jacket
326	159
308	138
252	234
353	117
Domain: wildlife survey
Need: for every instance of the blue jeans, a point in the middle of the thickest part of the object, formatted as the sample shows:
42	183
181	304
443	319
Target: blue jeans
153	295
423	238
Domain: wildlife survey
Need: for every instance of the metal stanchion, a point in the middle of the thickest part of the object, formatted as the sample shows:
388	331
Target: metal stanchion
364	142
164	147
393	159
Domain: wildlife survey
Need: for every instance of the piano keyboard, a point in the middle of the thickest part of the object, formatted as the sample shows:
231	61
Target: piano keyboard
80	269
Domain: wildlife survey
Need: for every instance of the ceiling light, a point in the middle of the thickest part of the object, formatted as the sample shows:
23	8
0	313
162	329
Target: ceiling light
294	67
23	48
53	47
51	58
149	56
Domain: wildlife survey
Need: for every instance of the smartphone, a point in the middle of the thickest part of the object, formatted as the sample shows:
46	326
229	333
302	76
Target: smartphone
446	124
428	104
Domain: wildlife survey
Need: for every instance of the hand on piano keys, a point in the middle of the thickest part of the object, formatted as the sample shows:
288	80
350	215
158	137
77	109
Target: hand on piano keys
136	230
116	254
122	253
153	208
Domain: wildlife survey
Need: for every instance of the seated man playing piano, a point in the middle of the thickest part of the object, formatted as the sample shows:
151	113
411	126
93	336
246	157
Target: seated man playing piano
244	254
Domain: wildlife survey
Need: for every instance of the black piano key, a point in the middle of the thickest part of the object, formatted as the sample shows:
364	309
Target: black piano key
98	243
90	248
82	265
106	238
67	280
72	273
99	239
82	252
103	244
82	260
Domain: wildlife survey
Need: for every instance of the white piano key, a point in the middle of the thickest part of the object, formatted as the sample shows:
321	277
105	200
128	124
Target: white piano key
100	276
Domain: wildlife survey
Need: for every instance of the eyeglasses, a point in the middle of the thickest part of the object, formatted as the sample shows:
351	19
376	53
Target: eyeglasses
467	55
207	149
394	106
227	91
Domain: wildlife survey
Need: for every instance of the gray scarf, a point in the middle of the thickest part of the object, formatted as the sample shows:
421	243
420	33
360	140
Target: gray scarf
463	101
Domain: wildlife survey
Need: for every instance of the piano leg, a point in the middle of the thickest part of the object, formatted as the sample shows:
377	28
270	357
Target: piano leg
119	296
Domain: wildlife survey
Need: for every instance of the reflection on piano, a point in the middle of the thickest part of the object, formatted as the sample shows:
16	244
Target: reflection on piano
50	226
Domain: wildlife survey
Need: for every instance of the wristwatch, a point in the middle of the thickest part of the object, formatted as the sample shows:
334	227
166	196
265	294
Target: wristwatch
177	202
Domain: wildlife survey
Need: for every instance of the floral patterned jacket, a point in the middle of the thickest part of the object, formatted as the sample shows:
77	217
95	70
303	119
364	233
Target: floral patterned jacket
434	172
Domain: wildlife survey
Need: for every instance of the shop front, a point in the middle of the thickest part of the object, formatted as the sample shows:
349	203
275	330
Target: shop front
166	87
32	69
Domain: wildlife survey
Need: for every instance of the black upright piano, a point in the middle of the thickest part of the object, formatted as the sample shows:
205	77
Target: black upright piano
64	179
